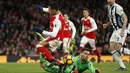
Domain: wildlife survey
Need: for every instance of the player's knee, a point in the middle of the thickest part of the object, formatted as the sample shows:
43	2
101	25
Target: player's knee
111	47
118	46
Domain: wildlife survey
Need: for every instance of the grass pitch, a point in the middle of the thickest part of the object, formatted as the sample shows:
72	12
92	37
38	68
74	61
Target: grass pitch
35	68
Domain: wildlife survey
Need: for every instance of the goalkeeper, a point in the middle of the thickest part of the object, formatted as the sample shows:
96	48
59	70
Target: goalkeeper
80	64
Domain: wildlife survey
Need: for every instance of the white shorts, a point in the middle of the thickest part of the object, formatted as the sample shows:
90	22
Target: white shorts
54	44
86	40
66	42
117	38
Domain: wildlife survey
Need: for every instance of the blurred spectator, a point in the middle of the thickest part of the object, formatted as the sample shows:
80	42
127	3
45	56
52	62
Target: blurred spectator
17	17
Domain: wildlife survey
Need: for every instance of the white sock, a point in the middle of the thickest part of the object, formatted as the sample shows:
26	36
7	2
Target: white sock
117	57
125	51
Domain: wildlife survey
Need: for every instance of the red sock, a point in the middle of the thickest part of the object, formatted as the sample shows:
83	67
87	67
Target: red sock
97	52
48	55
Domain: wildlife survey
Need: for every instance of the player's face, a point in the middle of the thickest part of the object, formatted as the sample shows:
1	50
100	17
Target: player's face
52	11
110	2
84	55
85	13
66	17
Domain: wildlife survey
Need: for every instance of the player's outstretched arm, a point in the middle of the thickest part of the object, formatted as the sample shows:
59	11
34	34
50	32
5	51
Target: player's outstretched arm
91	67
47	66
42	8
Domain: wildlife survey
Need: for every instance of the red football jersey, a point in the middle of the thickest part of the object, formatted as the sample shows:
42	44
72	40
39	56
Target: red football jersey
67	30
61	19
88	25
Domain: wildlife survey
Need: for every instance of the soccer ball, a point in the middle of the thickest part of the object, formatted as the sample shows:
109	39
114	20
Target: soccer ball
68	59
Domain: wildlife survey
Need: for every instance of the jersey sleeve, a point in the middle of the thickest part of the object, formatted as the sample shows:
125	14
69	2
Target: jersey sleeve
57	26
73	29
119	10
94	25
45	9
90	67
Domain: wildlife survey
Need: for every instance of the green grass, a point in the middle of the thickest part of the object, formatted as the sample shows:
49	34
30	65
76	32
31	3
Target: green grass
35	68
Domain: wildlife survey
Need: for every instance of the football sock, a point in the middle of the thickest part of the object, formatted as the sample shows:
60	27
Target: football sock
46	53
97	52
117	57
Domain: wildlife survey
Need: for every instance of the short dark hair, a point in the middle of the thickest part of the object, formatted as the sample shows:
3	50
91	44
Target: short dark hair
54	5
86	9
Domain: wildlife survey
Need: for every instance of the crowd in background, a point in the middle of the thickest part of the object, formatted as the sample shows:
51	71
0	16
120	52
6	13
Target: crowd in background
17	17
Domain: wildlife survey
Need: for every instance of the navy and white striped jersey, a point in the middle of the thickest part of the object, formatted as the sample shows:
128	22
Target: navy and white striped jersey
114	12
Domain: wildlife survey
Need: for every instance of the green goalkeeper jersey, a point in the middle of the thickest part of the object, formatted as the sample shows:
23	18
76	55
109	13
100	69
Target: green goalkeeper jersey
48	66
82	66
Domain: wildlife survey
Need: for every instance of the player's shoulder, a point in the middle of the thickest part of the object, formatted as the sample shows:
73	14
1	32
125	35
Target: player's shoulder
77	57
90	18
82	19
118	6
70	22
